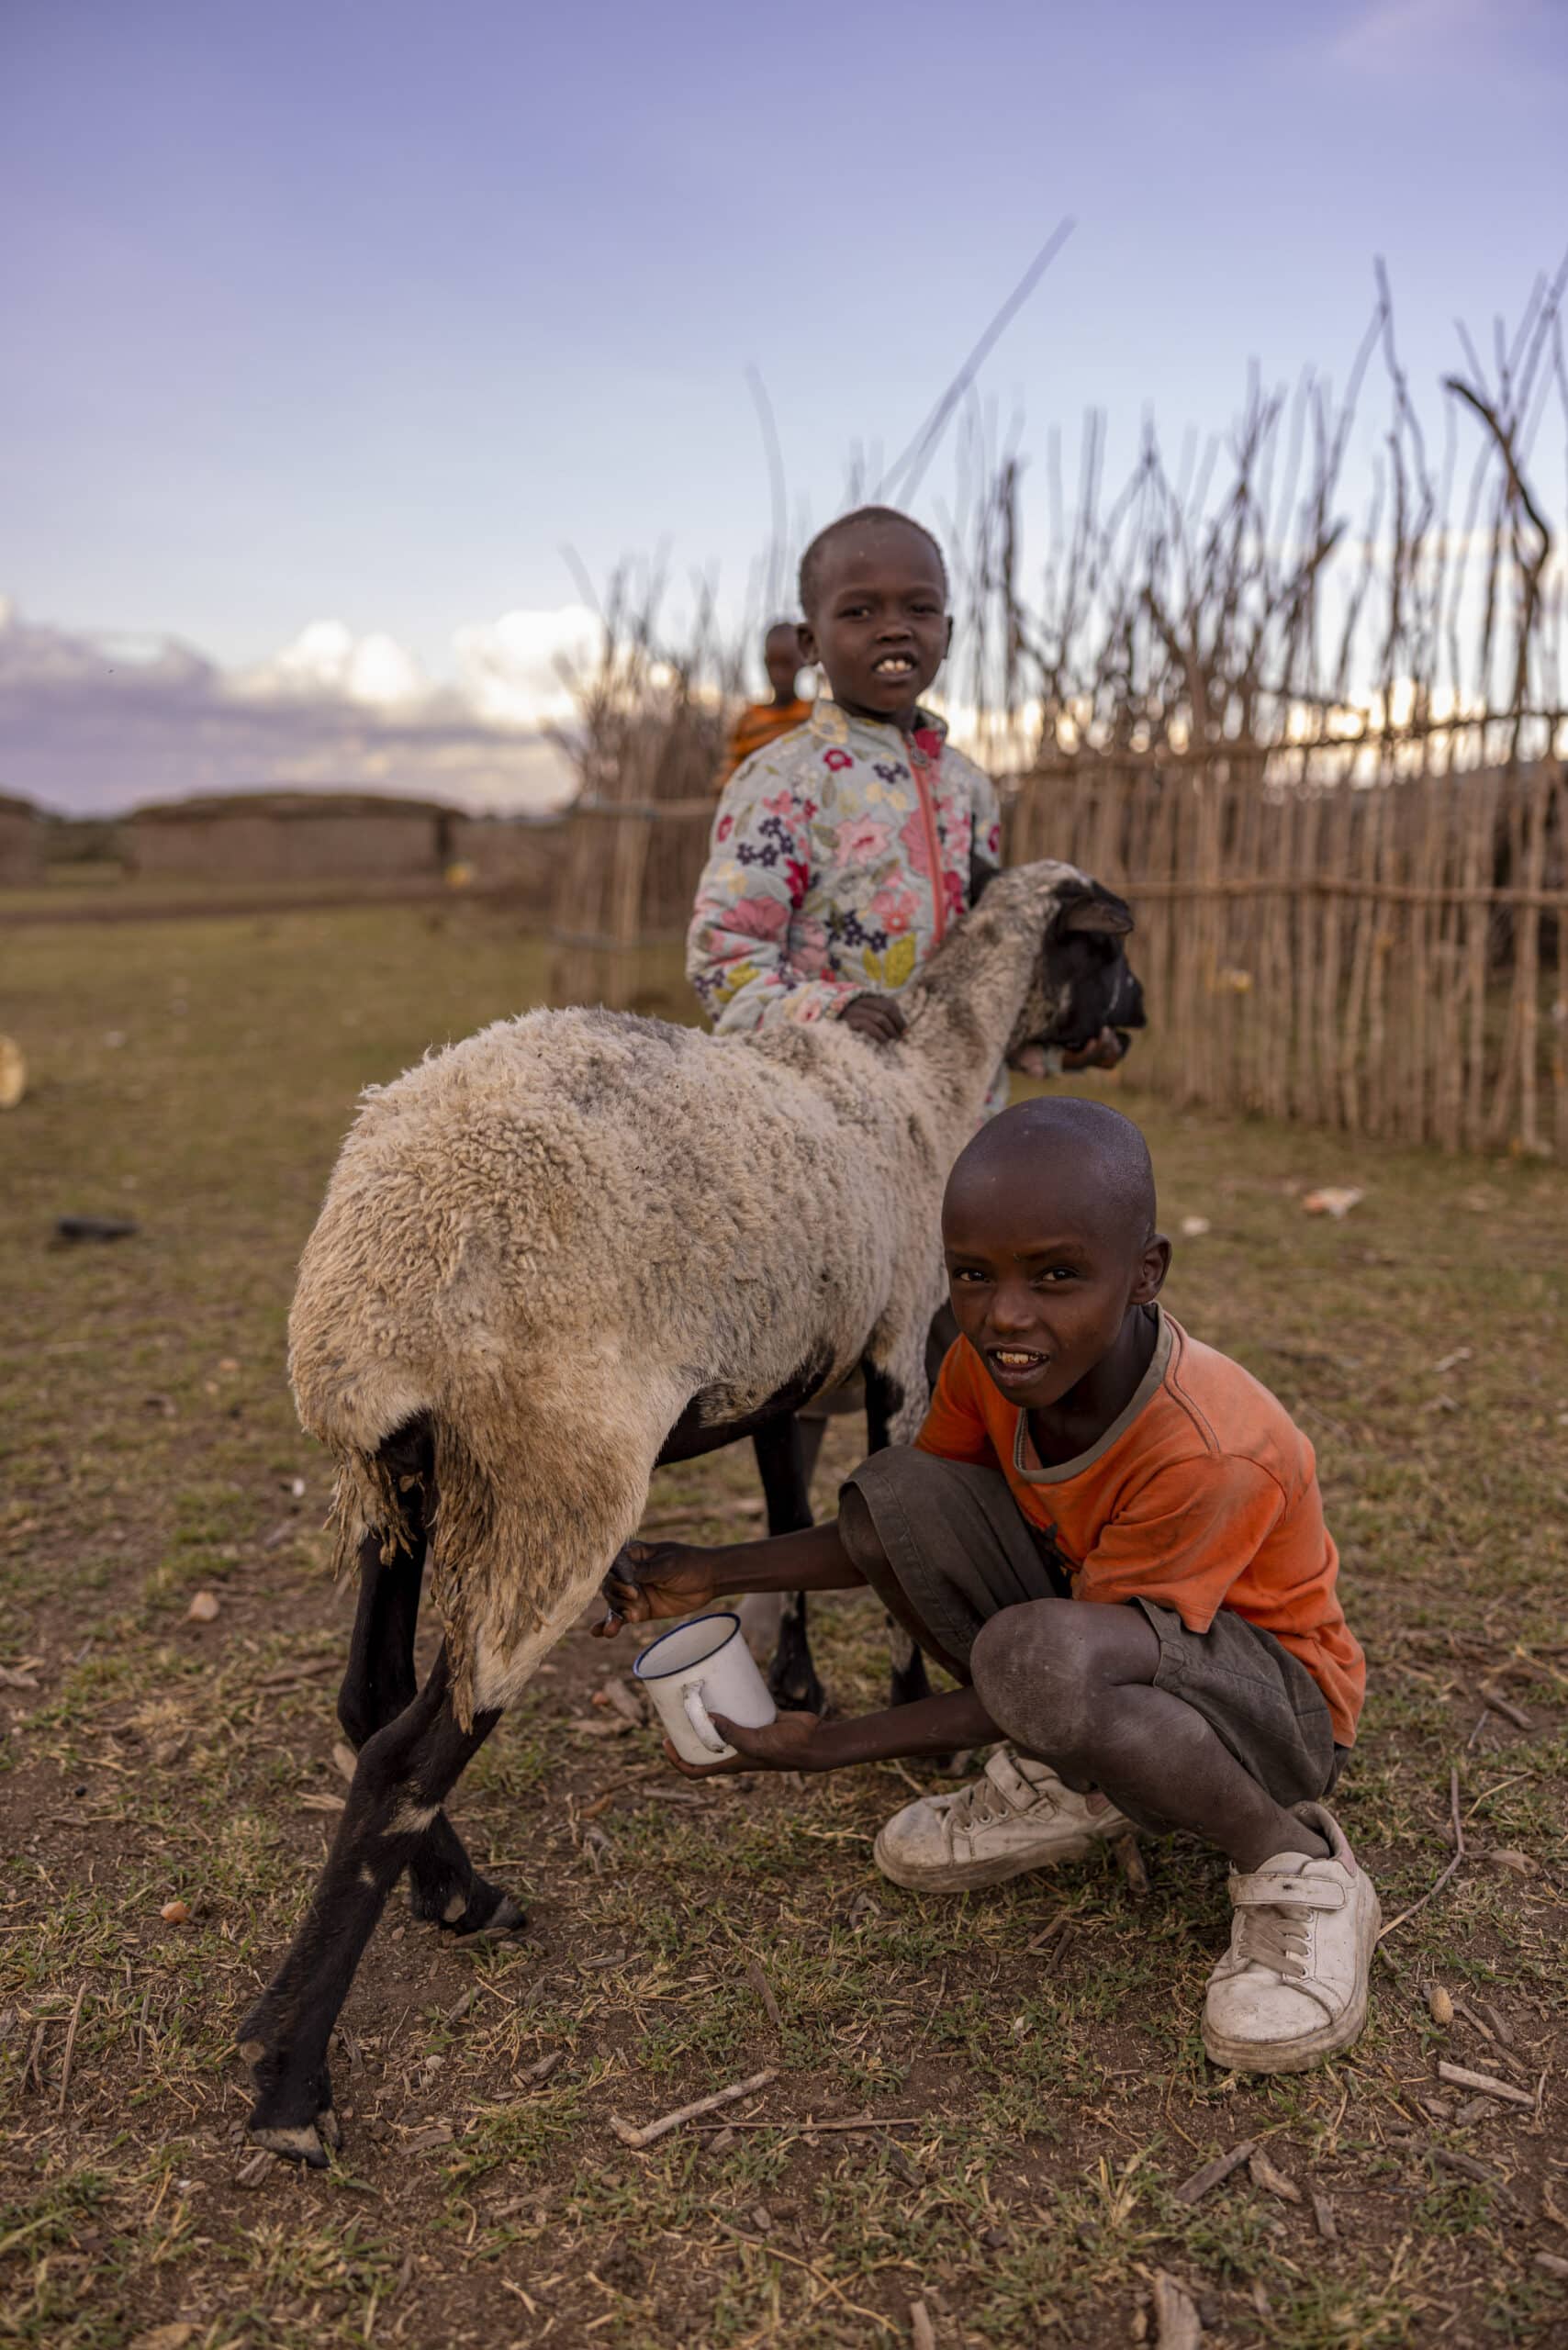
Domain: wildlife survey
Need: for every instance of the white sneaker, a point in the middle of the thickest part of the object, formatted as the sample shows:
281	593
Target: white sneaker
1291	1989
1017	1817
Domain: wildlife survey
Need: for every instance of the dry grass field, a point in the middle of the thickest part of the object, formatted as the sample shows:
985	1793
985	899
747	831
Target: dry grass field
985	2107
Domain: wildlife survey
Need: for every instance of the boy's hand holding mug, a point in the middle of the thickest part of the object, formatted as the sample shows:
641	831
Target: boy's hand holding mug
789	1743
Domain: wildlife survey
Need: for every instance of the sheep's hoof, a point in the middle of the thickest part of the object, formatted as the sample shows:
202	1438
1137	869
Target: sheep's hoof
302	2145
480	1908
297	2124
795	1689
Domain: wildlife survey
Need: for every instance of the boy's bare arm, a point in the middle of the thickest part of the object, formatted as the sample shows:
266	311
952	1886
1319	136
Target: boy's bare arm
650	1580
804	1742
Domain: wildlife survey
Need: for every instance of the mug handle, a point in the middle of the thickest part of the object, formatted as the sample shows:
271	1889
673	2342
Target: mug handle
701	1721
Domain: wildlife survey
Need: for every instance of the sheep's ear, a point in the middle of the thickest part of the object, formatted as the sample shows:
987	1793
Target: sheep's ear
1099	910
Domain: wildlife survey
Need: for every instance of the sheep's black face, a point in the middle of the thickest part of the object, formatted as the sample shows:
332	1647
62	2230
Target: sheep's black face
1083	983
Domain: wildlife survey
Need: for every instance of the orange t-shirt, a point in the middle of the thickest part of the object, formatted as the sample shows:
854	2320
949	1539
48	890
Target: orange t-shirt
1203	1495
759	723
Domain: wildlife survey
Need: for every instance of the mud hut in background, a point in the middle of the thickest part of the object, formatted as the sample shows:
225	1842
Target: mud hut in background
21	842
519	858
292	836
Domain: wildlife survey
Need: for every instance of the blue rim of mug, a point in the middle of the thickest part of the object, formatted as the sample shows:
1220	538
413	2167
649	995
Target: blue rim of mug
718	1615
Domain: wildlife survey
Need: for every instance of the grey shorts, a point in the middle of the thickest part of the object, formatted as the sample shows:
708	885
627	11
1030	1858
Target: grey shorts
961	1549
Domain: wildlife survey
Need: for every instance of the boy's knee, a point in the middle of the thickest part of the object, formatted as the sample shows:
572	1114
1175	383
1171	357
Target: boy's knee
1034	1671
858	1531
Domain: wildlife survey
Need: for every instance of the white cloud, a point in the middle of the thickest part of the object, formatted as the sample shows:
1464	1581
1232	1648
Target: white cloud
510	672
91	723
326	658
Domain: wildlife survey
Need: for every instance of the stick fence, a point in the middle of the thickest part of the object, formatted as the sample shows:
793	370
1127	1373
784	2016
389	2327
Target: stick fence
1385	957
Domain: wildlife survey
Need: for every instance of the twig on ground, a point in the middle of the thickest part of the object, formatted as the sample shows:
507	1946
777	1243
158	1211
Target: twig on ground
1191	2190
921	2332
1323	2213
70	2049
860	2122
1487	2083
655	2130
764	1990
1271	2181
1510	1713
1458	1829
287	1675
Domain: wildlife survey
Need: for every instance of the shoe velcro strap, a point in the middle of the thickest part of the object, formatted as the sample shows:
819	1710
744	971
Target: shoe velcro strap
1264	1892
1011	1785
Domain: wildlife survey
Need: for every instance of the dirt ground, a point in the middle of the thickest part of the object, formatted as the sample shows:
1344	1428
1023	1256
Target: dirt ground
984	2107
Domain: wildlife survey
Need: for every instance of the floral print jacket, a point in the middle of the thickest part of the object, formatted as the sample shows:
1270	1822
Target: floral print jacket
841	855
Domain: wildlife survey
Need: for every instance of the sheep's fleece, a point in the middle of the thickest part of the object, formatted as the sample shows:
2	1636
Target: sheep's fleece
550	1240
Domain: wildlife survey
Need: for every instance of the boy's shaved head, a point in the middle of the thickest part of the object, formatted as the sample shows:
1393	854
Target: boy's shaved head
1082	1158
867	521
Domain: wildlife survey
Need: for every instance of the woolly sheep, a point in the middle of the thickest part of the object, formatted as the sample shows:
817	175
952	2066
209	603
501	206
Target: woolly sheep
552	1256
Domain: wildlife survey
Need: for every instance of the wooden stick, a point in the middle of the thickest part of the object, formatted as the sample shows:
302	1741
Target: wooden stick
1458	1856
1460	2077
70	2049
655	2130
807	2128
764	1990
1193	2190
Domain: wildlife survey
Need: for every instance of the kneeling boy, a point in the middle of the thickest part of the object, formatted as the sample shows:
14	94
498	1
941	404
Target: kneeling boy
1080	1447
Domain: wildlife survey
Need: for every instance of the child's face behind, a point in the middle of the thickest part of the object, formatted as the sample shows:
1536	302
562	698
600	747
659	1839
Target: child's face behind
782	658
1042	1275
880	624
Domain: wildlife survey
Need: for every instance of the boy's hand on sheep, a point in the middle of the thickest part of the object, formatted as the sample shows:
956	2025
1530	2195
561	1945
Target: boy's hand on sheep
876	1016
786	1743
653	1579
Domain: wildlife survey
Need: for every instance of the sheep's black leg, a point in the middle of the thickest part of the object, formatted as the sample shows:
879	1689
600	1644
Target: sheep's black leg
404	1772
908	1682
444	1887
787	1451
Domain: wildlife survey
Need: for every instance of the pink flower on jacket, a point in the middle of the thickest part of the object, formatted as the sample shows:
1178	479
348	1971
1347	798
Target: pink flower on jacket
756	917
781	804
862	838
955	896
836	759
808	948
913	841
726	826
893	906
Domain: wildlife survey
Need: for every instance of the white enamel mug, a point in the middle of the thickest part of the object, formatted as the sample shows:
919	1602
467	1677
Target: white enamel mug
700	1669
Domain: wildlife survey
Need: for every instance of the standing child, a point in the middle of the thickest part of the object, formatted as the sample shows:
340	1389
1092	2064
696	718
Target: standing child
762	722
844	852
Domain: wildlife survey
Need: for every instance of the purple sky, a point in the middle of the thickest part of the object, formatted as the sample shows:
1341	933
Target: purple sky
358	312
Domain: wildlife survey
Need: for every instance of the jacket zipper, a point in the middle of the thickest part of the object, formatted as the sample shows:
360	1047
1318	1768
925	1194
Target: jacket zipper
918	767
